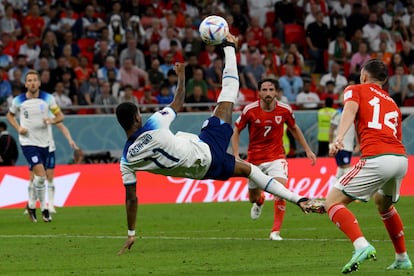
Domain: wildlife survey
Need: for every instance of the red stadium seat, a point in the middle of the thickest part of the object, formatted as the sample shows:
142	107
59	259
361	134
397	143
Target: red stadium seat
295	33
86	44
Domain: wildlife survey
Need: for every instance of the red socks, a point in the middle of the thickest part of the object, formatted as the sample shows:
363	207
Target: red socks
345	220
395	228
279	214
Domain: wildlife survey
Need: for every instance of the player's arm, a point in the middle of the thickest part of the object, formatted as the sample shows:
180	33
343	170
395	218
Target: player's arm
58	116
332	129
179	96
298	135
131	205
11	117
235	139
347	119
65	131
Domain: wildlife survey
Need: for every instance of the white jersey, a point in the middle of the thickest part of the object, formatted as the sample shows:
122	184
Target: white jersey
349	137
32	113
156	149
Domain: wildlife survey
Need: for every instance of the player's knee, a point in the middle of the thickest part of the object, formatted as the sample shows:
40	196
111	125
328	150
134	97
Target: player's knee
39	181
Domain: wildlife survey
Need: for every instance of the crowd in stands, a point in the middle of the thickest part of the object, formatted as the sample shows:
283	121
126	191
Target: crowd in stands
99	53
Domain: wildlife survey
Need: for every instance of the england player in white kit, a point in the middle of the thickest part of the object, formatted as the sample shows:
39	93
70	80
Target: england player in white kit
153	147
33	108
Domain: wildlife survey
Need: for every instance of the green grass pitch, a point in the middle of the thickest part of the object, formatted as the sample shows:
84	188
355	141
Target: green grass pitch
191	239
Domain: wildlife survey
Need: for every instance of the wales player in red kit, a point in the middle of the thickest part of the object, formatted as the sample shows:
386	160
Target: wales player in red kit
265	119
379	172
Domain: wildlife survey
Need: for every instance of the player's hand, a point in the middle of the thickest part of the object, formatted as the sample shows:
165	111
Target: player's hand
128	244
22	130
336	146
179	69
231	38
312	157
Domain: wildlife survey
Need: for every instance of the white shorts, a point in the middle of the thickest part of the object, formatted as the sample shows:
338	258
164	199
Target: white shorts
381	174
277	168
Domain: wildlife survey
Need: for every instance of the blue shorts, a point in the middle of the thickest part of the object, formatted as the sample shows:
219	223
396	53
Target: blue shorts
217	135
50	161
35	155
343	157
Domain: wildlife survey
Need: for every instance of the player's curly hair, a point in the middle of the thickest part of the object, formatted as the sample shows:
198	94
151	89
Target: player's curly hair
125	114
377	69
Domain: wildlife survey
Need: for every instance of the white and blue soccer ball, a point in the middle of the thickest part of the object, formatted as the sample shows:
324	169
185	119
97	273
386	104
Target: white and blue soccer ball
213	29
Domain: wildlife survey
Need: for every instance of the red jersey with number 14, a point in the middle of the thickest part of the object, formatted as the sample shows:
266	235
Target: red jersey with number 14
266	129
378	120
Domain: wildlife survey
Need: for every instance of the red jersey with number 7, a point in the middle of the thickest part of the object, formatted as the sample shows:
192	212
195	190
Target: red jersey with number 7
266	129
378	120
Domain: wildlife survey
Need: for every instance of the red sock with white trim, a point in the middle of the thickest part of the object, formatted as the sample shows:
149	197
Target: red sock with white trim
345	220
279	214
393	223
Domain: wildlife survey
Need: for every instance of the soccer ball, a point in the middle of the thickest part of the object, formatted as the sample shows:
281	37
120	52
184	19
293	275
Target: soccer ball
213	29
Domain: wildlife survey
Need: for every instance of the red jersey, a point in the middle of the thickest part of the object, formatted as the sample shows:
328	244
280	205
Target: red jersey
378	121
266	130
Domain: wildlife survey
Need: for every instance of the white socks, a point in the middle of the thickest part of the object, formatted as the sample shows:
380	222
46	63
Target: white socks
51	195
270	185
32	196
230	81
40	192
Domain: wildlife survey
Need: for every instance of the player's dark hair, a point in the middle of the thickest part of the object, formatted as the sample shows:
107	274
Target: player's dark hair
274	81
125	114
377	69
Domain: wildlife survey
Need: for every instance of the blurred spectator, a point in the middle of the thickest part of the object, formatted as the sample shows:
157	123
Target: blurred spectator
21	64
191	43
6	61
167	65
290	84
8	145
73	61
399	27
397	85
134	26
407	53
89	25
33	23
105	99
410	30
285	12
313	15
388	14
154	33
255	28
372	29
67	20
356	39
89	90
339	51
9	45
155	76
5	92
317	40
176	52
109	66
356	20
116	30
114	83
291	59
45	83
16	82
63	66
171	81
406	18
383	54
241	20
198	79
83	70
253	72
102	53
30	49
135	54
51	15
324	121
396	60
207	56
259	9
153	53
339	26
336	77
62	100
147	99
50	49
329	92
127	95
70	86
165	42
383	36
307	99
271	70
68	40
9	24
197	97
267	39
358	60
165	96
214	74
409	93
319	4
132	75
342	8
